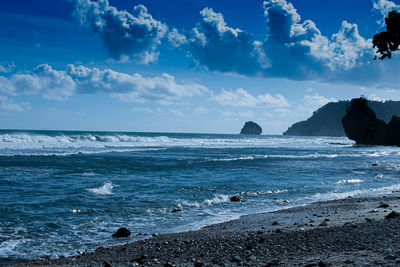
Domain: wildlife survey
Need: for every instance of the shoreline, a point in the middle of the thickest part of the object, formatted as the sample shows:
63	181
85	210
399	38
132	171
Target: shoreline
352	231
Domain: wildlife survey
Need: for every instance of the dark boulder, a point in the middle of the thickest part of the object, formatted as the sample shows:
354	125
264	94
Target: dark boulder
122	232
237	199
361	125
251	128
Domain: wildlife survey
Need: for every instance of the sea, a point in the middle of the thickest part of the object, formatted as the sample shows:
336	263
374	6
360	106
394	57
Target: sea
66	192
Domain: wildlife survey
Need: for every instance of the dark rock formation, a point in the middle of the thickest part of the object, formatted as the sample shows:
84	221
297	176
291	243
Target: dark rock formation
237	199
361	125
251	128
122	232
393	131
327	121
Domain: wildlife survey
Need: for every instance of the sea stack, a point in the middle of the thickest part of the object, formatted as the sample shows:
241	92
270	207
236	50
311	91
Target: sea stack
251	127
361	125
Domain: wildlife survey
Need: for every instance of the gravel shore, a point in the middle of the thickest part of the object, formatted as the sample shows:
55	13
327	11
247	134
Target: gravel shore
345	232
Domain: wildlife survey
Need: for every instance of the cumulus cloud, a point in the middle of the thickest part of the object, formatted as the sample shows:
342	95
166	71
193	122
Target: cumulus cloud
298	50
241	98
293	48
218	47
133	34
317	100
61	84
310	103
44	80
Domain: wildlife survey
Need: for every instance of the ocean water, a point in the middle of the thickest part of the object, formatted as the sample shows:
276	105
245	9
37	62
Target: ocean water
65	192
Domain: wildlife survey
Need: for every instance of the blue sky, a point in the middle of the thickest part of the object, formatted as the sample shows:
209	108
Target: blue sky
186	65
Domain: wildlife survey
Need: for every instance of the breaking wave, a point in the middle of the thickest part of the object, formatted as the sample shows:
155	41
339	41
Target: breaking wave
104	190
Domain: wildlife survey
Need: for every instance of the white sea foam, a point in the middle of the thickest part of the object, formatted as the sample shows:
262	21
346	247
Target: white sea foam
104	190
218	198
350	181
264	192
358	193
15	143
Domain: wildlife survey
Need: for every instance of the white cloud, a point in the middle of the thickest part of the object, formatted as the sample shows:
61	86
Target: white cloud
136	34
313	102
7	66
218	47
59	85
384	7
293	48
8	104
241	98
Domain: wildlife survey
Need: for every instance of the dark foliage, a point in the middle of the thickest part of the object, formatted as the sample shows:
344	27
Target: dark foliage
388	41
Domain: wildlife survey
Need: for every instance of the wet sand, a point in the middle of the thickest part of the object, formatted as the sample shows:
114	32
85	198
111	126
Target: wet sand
346	232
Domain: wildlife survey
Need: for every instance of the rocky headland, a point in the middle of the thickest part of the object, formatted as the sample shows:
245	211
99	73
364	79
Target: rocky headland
327	120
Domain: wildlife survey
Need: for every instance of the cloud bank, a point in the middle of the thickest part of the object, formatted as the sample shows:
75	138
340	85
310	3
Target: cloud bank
292	49
62	84
125	34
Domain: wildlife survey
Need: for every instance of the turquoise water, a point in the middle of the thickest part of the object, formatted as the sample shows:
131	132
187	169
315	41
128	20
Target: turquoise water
64	192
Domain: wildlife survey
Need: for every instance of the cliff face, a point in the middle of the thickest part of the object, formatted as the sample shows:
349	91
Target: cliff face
327	121
251	128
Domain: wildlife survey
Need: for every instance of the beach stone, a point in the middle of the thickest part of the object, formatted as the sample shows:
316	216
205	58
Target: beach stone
168	264
322	264
374	164
388	254
198	264
121	232
323	224
237	199
236	259
106	264
275	223
392	215
383	206
176	210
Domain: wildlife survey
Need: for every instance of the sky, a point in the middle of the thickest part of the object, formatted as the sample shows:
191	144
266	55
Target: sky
200	66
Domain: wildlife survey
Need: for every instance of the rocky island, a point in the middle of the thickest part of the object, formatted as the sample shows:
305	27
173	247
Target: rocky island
327	121
251	127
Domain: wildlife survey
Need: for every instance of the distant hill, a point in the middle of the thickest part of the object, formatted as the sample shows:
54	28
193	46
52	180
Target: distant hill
327	121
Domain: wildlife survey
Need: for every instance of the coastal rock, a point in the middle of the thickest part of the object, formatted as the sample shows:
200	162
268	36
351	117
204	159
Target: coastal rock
392	215
393	133
361	125
121	232
237	199
251	127
176	210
